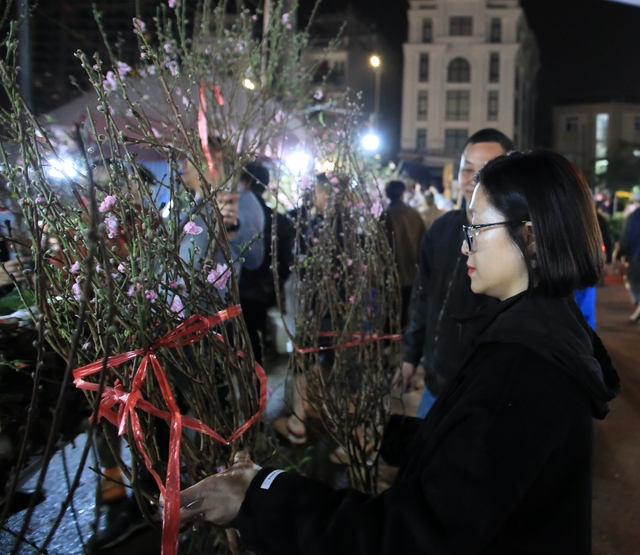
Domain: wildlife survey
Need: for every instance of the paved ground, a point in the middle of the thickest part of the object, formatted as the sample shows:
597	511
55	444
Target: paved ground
616	512
616	479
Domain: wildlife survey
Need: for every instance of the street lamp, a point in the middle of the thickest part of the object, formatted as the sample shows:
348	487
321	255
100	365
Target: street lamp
376	63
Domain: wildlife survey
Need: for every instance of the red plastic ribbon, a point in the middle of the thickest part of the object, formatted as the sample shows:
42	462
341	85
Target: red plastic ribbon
364	338
203	126
191	330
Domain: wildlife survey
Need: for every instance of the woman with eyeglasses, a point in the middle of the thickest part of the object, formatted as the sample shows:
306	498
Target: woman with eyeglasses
502	463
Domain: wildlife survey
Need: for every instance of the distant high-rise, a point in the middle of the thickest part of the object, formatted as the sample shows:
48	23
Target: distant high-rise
468	64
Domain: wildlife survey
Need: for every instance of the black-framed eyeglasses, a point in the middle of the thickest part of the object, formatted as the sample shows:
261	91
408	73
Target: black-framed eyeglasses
471	231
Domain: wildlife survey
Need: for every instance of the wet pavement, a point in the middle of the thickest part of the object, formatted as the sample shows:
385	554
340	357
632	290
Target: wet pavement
616	478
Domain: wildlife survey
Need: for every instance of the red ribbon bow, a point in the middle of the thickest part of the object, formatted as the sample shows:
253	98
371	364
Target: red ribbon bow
191	330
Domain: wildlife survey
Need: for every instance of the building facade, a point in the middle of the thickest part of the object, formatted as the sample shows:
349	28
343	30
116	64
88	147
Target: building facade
468	64
599	138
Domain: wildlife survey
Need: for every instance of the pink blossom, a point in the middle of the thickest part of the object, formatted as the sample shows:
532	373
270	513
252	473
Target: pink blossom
349	262
108	203
171	3
376	209
285	17
75	268
185	101
318	95
122	268
40	200
336	275
112	226
156	133
167	47
364	268
305	182
173	285
150	295
77	291
219	276
334	181
132	291
173	67
336	190
177	306
87	345
352	299
192	229
151	70
98	269
316	240
360	205
110	83
279	116
139	26
123	68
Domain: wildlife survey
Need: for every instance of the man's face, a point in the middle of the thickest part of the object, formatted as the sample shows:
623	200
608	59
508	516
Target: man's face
473	158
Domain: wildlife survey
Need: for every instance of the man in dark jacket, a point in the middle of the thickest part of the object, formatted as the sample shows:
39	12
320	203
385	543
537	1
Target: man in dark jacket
405	228
443	287
257	287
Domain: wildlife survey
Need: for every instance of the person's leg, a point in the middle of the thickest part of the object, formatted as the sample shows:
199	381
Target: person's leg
111	485
426	402
405	291
255	317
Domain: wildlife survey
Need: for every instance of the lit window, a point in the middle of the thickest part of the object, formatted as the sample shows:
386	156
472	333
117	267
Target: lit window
424	68
602	135
493	105
421	139
494	67
459	71
455	139
427	30
495	34
461	26
571	124
423	105
457	106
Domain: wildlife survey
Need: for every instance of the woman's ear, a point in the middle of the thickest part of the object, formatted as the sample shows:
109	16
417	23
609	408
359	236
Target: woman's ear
530	241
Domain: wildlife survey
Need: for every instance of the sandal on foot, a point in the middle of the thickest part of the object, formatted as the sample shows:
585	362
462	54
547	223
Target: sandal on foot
281	425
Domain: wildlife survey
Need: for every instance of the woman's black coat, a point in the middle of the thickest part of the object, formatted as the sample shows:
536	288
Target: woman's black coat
501	465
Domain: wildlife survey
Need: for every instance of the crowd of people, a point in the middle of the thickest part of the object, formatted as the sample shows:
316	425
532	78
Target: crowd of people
498	308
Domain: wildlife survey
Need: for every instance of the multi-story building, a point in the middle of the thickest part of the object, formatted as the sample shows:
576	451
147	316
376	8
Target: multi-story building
468	64
592	135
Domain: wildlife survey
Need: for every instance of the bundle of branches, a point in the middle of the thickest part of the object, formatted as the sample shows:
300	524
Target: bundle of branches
346	325
131	274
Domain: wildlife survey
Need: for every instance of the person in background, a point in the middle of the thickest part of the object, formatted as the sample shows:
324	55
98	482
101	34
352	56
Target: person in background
257	286
629	251
404	229
432	212
443	287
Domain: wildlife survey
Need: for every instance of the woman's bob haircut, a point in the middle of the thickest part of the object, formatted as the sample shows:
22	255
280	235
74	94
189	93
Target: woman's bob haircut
548	190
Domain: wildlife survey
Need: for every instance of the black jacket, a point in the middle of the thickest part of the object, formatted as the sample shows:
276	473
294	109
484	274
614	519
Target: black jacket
442	290
258	285
501	465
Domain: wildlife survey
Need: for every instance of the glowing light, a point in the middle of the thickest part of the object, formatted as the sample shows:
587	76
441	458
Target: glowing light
328	166
371	142
375	61
61	168
248	84
298	162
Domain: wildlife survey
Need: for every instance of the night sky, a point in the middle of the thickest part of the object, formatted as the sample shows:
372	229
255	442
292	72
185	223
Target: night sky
589	49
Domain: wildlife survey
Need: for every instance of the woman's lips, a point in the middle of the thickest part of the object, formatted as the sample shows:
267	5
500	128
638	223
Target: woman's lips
470	269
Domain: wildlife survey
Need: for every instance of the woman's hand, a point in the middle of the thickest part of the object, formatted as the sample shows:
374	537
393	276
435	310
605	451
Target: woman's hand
217	499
